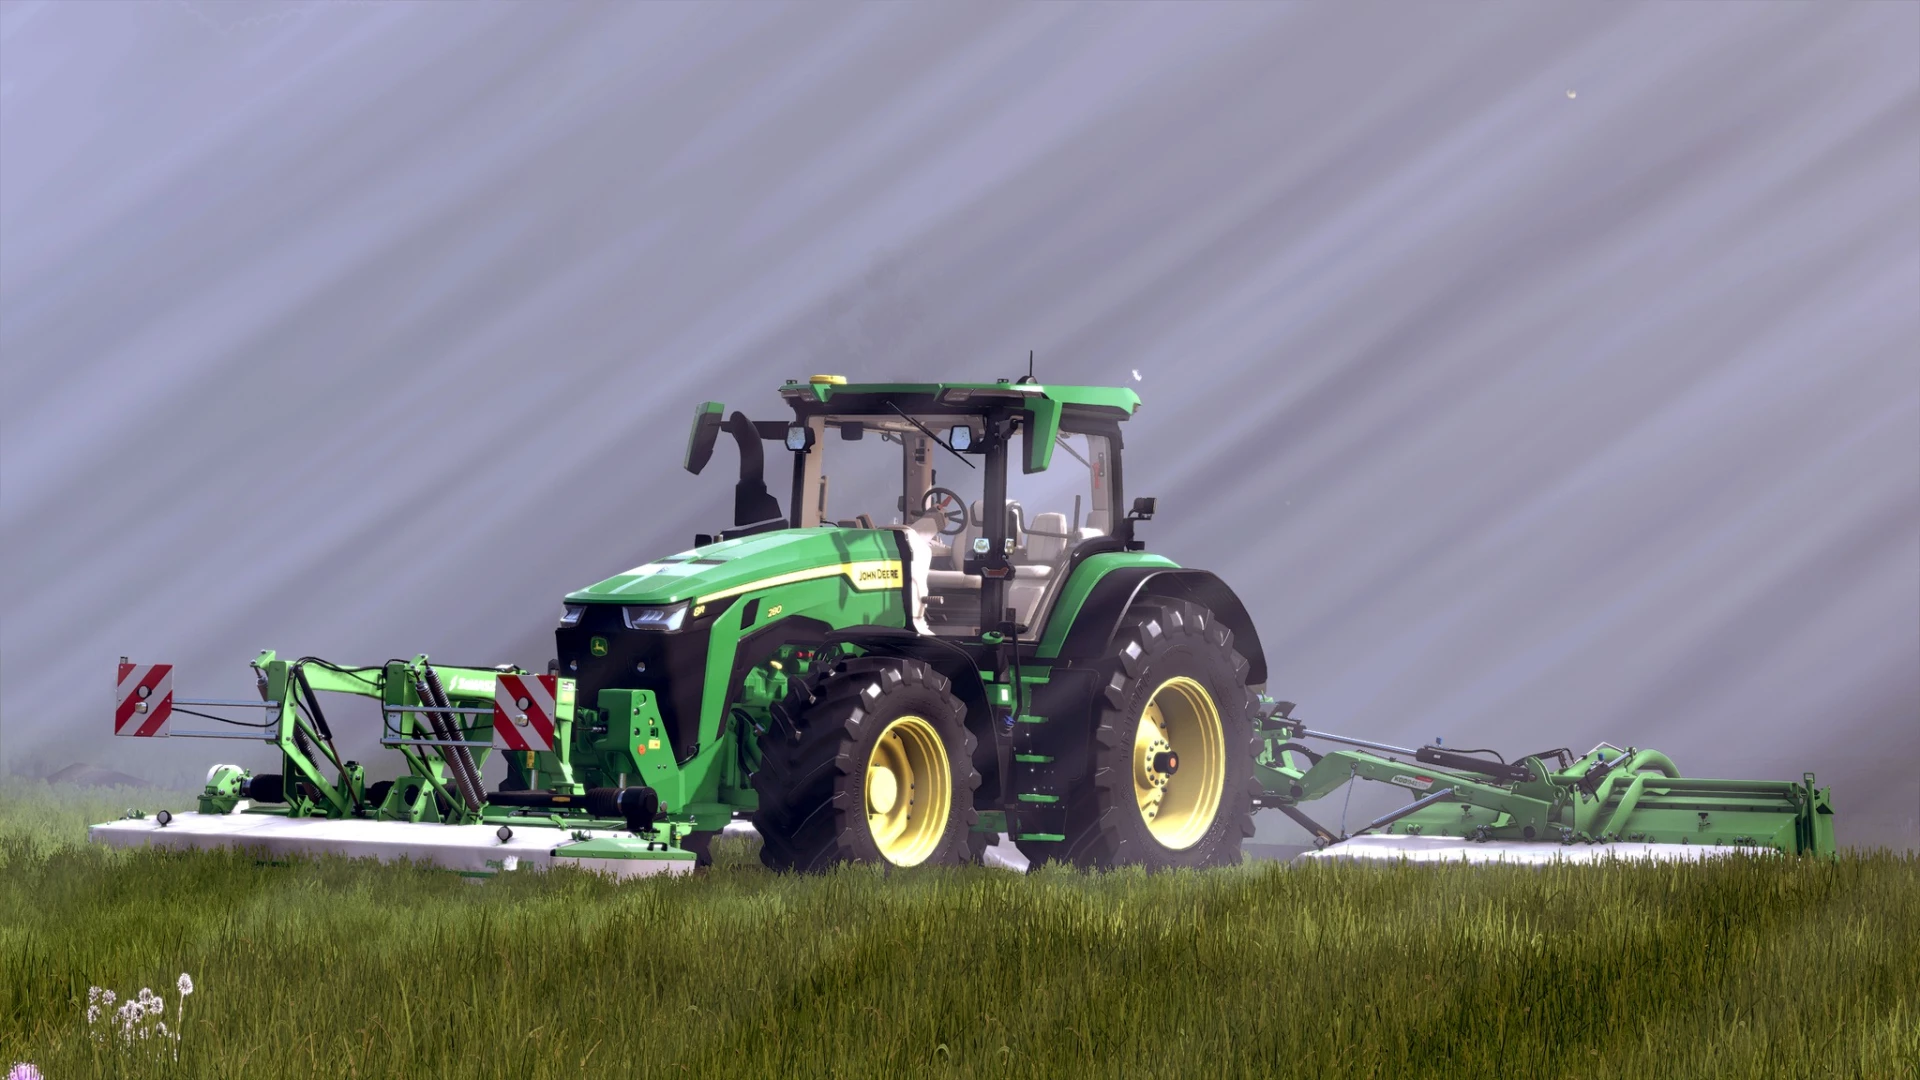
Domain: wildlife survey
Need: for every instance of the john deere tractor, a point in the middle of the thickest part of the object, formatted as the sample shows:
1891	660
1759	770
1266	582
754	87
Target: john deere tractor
949	630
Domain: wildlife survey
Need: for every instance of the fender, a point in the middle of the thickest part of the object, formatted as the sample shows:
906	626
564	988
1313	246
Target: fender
1090	625
962	669
946	656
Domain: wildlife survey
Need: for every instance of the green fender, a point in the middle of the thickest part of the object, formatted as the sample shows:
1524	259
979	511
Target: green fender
1103	587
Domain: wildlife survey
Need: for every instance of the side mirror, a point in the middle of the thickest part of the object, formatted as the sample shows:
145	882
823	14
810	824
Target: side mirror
706	431
1142	509
960	437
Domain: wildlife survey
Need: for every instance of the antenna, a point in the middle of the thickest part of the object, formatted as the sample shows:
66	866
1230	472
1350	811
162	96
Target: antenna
1029	378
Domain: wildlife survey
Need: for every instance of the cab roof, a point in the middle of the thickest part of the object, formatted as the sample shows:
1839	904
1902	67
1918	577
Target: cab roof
880	397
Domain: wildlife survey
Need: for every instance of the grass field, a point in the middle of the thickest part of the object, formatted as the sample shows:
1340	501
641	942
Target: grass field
1744	968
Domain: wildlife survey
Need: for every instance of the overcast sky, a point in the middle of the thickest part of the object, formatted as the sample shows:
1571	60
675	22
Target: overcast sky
1539	374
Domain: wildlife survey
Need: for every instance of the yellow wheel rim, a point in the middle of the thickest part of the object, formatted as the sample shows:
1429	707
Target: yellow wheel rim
1179	763
909	788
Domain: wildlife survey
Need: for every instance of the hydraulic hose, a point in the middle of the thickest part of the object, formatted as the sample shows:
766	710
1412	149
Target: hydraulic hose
465	776
442	732
320	727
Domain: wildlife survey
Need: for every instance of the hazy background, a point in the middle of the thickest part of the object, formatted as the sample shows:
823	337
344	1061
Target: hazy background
1519	417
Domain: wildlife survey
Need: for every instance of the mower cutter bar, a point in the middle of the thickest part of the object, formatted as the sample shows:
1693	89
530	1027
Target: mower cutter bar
1632	801
473	850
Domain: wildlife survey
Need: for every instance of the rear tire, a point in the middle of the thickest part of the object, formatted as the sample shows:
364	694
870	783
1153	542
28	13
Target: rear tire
1195	806
977	845
872	749
701	845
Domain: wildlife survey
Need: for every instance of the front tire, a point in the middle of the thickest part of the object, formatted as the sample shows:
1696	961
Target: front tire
1171	781
876	768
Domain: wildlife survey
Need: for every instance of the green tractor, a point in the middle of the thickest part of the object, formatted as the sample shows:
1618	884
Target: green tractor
950	631
967	640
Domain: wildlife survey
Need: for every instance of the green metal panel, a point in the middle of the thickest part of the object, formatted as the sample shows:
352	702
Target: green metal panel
636	745
868	559
836	577
1085	578
832	600
623	848
1110	397
1042	428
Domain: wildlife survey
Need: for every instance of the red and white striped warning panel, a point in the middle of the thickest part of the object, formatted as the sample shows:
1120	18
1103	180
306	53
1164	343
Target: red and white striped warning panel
523	712
143	700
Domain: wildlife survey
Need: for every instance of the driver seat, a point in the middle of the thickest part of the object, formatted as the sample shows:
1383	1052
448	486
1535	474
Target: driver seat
957	552
962	543
1047	545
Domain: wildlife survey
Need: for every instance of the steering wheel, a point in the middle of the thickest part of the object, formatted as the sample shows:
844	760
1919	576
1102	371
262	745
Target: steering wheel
949	505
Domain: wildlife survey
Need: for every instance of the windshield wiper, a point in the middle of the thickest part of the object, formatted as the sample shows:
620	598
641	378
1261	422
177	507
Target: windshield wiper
929	434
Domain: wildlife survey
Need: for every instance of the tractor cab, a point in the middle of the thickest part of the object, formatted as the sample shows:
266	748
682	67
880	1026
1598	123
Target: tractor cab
994	487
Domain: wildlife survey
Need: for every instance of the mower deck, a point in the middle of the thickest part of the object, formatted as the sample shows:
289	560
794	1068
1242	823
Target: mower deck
1450	849
469	849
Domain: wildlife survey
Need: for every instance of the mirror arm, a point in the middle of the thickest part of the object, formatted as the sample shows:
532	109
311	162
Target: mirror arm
752	503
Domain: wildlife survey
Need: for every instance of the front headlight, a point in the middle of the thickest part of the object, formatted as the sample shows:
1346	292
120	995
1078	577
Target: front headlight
655	617
570	614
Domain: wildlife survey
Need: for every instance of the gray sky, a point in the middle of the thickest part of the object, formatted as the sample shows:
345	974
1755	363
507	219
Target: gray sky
1518	416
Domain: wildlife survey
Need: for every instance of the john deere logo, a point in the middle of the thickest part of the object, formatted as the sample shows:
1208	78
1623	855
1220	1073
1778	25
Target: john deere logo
598	646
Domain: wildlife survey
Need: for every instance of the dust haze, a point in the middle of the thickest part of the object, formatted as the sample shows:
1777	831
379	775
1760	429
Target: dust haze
1538	374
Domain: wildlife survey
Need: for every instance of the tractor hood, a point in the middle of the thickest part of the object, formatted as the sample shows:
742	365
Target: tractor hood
869	559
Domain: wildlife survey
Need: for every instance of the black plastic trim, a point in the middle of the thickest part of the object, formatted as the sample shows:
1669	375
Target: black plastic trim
1099	617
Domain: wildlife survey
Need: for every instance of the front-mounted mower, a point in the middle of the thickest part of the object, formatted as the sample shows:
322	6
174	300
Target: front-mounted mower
950	631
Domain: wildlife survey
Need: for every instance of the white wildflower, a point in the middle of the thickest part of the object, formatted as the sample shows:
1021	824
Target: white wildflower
130	1015
185	986
135	1018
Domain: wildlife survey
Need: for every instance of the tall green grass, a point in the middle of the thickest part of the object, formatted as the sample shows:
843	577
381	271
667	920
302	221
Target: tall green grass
1765	967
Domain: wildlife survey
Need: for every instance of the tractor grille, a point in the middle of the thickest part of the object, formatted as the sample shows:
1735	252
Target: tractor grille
676	667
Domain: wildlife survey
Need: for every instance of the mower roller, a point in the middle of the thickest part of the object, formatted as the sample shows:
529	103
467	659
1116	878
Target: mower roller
1001	656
